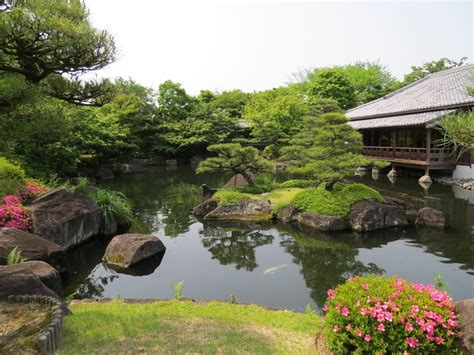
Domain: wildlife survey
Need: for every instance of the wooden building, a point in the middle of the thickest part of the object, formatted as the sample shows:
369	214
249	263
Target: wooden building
399	126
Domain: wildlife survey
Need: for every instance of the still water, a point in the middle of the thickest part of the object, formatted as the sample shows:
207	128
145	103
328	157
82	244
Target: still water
271	264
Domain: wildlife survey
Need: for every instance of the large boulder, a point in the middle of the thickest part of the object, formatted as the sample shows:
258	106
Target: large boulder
429	217
321	222
21	279
126	250
32	246
465	310
45	272
370	215
204	208
243	209
65	218
288	213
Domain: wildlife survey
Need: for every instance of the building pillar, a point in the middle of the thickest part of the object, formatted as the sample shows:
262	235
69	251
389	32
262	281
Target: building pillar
428	145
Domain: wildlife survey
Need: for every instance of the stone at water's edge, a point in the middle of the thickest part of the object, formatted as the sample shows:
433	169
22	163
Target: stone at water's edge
45	272
32	246
321	222
370	215
465	309
243	209
204	208
288	213
65	218
19	279
429	217
126	250
104	173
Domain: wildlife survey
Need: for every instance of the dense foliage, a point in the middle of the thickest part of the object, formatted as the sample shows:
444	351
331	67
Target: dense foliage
11	177
375	314
337	202
457	133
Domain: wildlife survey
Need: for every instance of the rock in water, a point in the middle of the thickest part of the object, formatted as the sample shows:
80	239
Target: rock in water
28	279
465	309
204	208
321	222
288	213
244	209
370	215
429	217
65	218
128	249
104	173
32	246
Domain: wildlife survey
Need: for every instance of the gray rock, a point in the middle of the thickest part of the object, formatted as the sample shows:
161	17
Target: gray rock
104	173
321	222
204	208
370	215
429	217
126	250
32	246
65	218
288	213
129	168
45	272
244	209
236	181
171	162
108	226
20	280
465	310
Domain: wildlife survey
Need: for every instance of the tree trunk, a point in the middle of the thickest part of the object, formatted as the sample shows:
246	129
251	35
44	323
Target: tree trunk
248	178
330	185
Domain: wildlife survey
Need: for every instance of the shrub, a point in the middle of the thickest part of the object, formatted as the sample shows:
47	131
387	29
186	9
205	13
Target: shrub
375	314
227	197
31	189
271	151
304	184
11	177
13	214
337	202
14	256
113	204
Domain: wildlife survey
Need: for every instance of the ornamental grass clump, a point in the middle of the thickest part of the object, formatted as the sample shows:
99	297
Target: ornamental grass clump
389	315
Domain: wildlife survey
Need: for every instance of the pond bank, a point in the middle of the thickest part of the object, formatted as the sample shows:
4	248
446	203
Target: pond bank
185	326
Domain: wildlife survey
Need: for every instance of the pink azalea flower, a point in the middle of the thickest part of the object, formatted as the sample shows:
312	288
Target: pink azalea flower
358	332
367	337
415	309
325	308
345	311
363	311
358	303
335	329
349	327
439	340
452	323
412	342
331	293
381	327
365	286
409	326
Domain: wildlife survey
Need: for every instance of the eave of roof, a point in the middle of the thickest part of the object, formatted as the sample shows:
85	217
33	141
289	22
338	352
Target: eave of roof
411	119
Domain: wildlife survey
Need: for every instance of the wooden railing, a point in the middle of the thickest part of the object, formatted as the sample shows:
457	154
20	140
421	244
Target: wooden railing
437	155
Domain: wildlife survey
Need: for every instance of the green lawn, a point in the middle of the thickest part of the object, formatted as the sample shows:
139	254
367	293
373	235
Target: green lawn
186	327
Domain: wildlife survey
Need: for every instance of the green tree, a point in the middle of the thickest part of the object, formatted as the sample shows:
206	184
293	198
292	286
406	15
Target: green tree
235	159
232	101
457	133
333	83
174	103
48	41
428	68
327	149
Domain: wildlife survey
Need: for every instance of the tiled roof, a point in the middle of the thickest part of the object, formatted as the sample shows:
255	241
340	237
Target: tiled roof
442	90
411	119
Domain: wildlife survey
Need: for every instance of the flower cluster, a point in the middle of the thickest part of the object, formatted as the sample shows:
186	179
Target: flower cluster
376	314
31	189
13	214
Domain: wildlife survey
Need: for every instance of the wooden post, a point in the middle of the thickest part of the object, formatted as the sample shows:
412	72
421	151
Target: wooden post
428	144
394	141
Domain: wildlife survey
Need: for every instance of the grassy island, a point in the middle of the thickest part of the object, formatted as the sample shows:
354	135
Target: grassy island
187	327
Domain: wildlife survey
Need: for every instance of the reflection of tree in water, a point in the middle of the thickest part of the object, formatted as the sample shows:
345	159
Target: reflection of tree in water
234	246
325	263
93	287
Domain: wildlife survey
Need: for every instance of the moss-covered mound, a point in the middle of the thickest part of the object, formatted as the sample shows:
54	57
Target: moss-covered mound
337	202
276	197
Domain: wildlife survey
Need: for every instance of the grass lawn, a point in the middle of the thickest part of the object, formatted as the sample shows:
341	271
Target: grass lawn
186	327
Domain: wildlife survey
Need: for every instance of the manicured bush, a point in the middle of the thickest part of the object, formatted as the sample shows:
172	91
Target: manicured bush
227	196
337	202
304	184
11	177
13	214
380	315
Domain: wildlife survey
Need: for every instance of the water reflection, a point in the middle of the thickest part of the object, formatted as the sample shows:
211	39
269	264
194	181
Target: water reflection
234	246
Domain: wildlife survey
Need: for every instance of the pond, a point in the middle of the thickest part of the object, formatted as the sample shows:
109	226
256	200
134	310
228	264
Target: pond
271	264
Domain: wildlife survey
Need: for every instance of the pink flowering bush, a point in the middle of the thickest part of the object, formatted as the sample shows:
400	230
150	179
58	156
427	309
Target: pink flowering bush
13	214
376	314
31	189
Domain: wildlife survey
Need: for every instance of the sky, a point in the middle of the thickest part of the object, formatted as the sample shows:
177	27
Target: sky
224	45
